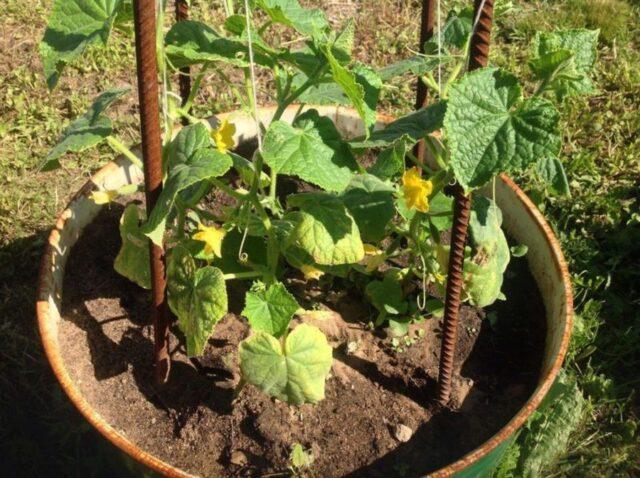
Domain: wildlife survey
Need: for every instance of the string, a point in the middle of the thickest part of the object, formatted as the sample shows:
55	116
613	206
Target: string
438	18
253	74
477	19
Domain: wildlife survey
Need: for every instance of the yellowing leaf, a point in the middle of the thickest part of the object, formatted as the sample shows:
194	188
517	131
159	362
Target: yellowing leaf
311	272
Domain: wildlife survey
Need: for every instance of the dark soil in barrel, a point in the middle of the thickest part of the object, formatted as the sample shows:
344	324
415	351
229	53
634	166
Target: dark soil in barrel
377	419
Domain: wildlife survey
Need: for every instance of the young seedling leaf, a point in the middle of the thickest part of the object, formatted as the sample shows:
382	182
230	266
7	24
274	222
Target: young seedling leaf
74	25
410	128
370	202
270	309
325	229
198	297
311	149
295	373
563	61
85	132
491	129
132	261
190	43
204	164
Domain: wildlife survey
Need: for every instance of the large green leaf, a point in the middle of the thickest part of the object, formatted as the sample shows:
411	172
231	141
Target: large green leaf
563	60
491	129
188	140
190	42
73	25
309	22
88	130
311	149
270	309
410	128
325	229
205	163
295	373
133	258
484	272
198	297
370	202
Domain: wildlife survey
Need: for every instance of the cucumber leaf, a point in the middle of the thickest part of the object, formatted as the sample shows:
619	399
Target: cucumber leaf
484	272
370	202
563	61
295	373
325	229
309	22
390	161
270	309
74	25
132	260
311	149
491	129
190	42
552	172
86	131
204	164
410	128
362	87
198	297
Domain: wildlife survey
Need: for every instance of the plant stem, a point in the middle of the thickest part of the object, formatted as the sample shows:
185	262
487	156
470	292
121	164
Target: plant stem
119	147
242	275
229	190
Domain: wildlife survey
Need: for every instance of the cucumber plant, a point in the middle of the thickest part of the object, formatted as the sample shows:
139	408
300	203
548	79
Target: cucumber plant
380	226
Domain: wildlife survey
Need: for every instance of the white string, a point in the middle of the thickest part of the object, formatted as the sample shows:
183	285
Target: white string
439	15
253	75
477	19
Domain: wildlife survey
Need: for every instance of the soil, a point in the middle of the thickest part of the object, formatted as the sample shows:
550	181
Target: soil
377	419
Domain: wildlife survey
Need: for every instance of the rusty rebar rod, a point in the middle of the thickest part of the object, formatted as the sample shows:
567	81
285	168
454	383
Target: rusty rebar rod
184	79
147	68
478	57
427	22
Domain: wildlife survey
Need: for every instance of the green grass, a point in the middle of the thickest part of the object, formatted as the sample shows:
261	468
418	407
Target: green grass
599	226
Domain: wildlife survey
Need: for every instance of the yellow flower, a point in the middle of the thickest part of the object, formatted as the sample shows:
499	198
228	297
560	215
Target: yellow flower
103	197
374	257
212	237
223	136
416	190
311	272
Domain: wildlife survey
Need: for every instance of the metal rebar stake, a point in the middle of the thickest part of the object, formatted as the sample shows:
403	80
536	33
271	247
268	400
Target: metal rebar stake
184	79
478	56
147	69
427	21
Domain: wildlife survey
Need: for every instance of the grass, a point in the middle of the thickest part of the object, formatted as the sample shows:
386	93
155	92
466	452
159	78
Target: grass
599	226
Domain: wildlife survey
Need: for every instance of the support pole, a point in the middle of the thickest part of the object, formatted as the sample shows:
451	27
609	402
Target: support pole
147	69
184	79
427	21
478	57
